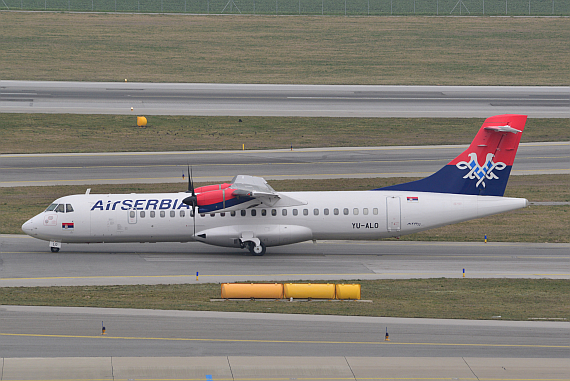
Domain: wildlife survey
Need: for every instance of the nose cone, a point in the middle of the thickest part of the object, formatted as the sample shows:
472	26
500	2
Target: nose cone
29	226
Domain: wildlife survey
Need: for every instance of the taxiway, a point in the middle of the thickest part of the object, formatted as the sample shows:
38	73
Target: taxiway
283	100
25	261
218	166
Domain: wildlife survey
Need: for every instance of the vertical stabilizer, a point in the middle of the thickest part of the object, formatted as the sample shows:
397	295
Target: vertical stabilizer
484	168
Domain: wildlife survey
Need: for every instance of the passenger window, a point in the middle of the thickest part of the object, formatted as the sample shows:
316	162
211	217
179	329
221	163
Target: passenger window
60	208
202	214
316	212
142	213
355	211
273	212
263	212
222	214
345	211
182	213
51	207
132	214
172	213
365	211
233	214
68	208
152	214
326	211
375	211
284	212
295	212
243	212
336	211
253	212
212	214
305	212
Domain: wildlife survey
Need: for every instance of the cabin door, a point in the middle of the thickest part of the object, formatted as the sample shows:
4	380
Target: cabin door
393	216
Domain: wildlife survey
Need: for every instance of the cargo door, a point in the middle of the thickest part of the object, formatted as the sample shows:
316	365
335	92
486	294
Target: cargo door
393	214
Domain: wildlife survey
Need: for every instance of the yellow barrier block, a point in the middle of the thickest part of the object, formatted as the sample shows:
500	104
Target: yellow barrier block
141	121
348	291
252	290
309	290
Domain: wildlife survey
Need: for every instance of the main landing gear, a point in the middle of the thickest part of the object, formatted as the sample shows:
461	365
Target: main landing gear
256	250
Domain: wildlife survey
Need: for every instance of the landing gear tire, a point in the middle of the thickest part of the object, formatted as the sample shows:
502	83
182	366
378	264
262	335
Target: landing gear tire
257	250
54	249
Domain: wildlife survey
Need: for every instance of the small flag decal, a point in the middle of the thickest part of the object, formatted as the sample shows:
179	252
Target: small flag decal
67	225
413	199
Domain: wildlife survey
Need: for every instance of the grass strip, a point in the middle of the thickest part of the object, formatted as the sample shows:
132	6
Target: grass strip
18	204
52	133
290	50
441	298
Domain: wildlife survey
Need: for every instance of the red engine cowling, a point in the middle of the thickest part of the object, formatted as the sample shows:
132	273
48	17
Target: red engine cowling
209	188
214	197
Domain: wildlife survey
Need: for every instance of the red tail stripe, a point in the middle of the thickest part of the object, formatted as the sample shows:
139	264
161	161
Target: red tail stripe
502	144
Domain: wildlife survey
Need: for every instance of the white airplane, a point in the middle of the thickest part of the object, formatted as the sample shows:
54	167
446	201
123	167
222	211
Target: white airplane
248	213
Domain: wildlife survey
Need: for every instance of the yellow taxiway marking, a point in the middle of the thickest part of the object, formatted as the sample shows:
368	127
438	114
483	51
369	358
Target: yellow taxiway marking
107	337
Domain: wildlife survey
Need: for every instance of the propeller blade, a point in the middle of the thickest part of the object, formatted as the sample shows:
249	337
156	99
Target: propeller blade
191	200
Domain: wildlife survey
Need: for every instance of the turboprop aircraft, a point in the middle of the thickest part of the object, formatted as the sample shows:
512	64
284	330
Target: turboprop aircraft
247	213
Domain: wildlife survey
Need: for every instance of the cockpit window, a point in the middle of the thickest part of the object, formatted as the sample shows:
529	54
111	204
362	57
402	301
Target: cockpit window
60	208
51	207
68	208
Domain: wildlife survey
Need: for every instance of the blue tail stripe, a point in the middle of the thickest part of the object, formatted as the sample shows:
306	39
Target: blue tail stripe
450	179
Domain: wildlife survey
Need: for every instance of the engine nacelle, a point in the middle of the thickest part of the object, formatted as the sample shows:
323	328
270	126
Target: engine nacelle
214	197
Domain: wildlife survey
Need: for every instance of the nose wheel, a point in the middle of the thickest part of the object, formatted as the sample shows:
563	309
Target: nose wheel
257	250
54	246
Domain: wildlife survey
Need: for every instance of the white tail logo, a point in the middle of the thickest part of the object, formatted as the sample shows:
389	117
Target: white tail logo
481	173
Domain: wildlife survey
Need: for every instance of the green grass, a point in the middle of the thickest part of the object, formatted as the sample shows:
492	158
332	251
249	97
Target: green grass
415	298
46	133
294	7
289	50
21	203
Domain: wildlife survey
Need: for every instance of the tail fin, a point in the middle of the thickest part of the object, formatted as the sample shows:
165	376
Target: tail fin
484	168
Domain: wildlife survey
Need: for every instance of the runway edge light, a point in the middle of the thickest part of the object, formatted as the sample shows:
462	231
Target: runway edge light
102	329
387	335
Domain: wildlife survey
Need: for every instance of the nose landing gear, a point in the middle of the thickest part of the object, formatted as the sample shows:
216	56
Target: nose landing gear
54	246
